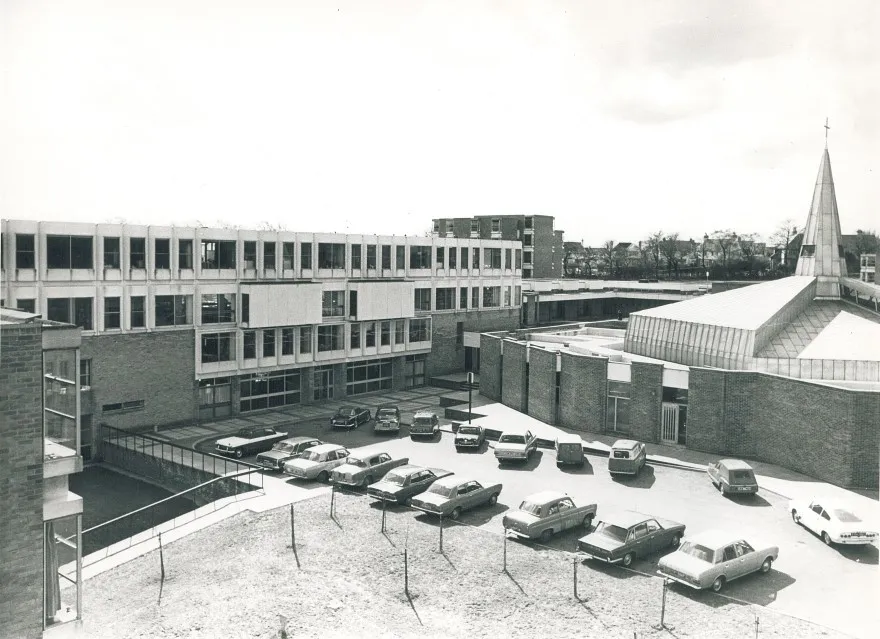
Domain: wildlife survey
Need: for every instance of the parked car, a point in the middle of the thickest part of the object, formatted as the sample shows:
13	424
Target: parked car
626	457
449	496
402	483
515	444
387	419
623	536
424	424
833	522
317	462
713	558
733	476
248	441
350	417
469	436
569	450
285	450
544	514
364	468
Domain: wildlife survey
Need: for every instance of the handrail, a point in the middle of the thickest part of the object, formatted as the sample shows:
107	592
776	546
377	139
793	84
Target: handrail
181	493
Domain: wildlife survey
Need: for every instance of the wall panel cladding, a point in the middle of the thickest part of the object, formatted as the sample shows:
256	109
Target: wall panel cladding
447	356
583	388
157	367
646	399
824	432
490	367
21	481
513	376
542	385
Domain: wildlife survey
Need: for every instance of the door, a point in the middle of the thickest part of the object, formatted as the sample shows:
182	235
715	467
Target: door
323	383
669	424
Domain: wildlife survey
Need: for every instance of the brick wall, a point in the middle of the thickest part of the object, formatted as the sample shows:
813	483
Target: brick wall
583	388
513	376
157	367
646	399
490	367
446	355
824	432
21	481
542	385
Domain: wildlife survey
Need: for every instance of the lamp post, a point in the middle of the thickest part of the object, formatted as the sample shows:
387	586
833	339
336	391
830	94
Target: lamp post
470	381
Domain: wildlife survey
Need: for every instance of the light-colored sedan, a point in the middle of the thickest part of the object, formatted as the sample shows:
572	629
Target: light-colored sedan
542	515
713	558
833	522
364	468
469	436
449	496
515	445
316	463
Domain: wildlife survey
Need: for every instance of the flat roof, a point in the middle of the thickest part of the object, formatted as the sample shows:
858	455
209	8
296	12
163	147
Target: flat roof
749	307
626	518
736	464
847	337
544	496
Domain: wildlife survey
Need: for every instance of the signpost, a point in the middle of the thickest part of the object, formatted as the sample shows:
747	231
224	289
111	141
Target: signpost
470	382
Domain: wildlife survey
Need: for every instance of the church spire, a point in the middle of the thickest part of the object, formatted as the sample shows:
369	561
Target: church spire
822	248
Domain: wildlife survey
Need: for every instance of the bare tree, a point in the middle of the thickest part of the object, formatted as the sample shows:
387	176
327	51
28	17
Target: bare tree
725	241
653	242
589	257
645	257
746	244
608	256
781	238
669	249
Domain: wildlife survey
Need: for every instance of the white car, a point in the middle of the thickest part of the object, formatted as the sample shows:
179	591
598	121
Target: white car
515	445
833	522
316	463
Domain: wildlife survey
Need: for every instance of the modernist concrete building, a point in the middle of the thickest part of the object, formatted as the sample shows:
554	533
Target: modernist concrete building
41	526
786	371
542	245
181	324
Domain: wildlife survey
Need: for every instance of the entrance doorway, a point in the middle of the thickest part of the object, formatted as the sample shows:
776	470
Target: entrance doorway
323	383
673	424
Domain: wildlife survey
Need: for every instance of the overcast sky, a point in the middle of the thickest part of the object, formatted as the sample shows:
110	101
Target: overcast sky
618	117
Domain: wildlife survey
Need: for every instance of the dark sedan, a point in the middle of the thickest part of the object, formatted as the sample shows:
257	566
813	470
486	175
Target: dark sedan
350	417
624	536
402	483
248	441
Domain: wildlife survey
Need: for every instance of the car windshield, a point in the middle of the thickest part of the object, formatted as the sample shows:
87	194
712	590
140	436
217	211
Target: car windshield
512	439
696	550
247	433
345	411
845	516
284	448
395	478
745	476
422	421
310	455
610	530
468	430
443	491
621	454
530	507
387	412
354	461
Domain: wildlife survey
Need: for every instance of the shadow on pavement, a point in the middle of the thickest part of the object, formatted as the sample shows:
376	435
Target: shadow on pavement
758	589
482	448
645	478
748	500
860	554
529	464
586	469
612	570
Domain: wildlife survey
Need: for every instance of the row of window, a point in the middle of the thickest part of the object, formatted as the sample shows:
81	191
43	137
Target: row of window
494	226
220	347
445	297
77	252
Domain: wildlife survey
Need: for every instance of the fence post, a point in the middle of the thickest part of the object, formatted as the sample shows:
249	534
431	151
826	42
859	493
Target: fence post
441	534
383	515
405	573
332	501
575	578
292	530
662	625
161	559
505	551
757	623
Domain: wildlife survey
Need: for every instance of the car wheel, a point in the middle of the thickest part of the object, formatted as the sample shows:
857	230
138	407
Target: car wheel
826	538
628	559
239	453
546	535
720	488
718	584
767	565
322	476
795	517
493	499
455	514
675	541
588	521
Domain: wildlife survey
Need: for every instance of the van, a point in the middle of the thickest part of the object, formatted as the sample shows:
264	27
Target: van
569	450
626	457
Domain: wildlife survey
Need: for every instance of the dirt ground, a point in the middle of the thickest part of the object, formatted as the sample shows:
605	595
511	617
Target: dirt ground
240	578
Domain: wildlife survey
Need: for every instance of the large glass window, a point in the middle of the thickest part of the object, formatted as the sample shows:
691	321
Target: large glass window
491	296
441	256
24	251
420	257
331	255
475	297
71	310
111	252
138	311
112	313
287	255
419	330
356	256
184	254
355	339
518	258
269	342
305	339
400	331
371	256
333	303
245	308
218	254
305	255
287	341
68	251
415	370
269	256
162	254
322	382
28	305
218	347
268	390
400	257
370	334
508	259
492	257
476	255
173	310
617	408
445	299
386	256
215	397
453	257
137	252
218	308
463	297
250	254
368	377
464	257
330	338
249	344
385	333
423	299
62	539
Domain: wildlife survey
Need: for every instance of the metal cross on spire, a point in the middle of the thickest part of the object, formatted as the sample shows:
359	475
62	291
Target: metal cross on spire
826	132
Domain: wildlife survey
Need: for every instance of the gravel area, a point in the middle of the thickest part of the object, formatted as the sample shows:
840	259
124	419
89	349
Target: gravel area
239	578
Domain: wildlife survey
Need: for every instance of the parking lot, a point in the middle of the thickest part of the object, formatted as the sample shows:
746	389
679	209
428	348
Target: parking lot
831	586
